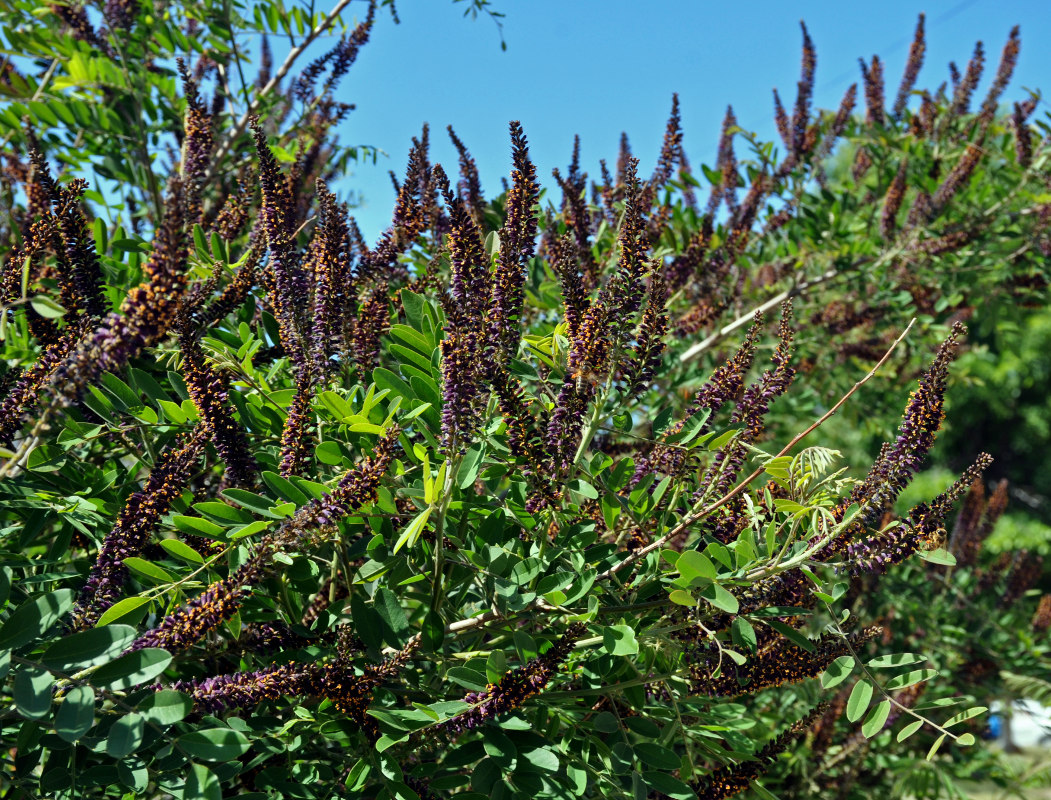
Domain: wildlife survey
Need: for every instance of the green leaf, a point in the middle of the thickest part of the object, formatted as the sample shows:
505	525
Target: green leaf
125	736
935	747
385	379
469	468
132	668
909	729
762	792
970	713
682	598
895	660
76	713
32	691
720	598
876	719
182	551
413	305
619	640
542	758
468	678
46	307
838	671
966	740
201	784
692	564
939	556
743	634
215	744
87	648
413	530
791	634
666	784
130	608
147	569
720	441
284	488
910	678
329	453
859	699
656	756
33	617
390	610
165	707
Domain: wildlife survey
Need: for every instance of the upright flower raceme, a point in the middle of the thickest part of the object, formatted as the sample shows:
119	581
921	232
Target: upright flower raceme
141	513
304	531
912	69
517	245
923	415
514	688
145	315
209	392
731	780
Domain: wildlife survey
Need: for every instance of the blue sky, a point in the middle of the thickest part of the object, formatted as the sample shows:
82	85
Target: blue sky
599	67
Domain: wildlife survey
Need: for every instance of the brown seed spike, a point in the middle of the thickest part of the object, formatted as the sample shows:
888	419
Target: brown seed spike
781	119
872	76
964	87
805	89
1008	60
892	202
912	69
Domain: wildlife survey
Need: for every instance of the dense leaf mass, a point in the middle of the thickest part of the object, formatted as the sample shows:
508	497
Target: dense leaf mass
533	497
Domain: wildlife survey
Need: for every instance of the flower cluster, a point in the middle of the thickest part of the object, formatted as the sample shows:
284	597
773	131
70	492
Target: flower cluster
752	409
892	201
1008	61
964	88
469	187
210	394
726	164
898	461
140	516
912	69
246	690
514	688
187	625
517	245
779	663
196	144
145	315
305	529
726	384
729	781
872	78
649	339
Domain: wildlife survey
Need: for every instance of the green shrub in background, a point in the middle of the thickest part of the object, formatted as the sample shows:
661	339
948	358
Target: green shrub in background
526	498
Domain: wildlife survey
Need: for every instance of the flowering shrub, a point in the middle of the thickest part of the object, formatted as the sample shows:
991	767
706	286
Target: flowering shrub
524	499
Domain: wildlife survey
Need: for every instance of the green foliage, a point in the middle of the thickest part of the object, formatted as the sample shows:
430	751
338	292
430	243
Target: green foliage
509	504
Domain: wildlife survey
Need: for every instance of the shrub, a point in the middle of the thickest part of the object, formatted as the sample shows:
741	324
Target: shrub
517	500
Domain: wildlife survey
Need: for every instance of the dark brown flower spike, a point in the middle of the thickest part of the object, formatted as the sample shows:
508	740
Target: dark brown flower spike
912	69
469	187
517	246
804	91
304	531
892	203
872	78
209	392
140	516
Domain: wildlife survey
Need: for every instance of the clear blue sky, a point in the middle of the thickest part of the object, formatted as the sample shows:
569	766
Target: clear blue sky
599	67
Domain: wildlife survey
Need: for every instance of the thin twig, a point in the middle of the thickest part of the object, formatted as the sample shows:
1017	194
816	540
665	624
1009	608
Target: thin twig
283	70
